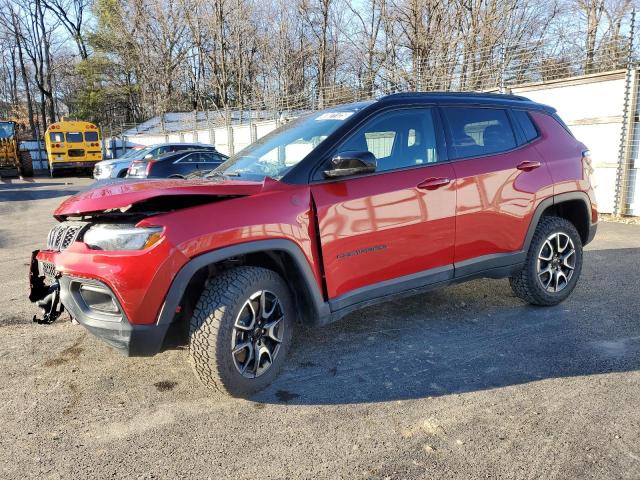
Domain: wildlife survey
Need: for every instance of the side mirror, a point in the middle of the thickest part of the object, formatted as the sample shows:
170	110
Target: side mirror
349	163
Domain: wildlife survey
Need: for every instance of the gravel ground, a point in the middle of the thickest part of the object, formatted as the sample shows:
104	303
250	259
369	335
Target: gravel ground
465	382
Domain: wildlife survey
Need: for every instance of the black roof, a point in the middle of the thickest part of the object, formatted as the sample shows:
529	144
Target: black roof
477	98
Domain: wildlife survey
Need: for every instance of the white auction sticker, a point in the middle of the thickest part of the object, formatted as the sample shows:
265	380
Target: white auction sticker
335	116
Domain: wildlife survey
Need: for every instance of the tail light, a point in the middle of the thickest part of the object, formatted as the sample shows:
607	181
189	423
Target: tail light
587	165
587	162
133	166
149	164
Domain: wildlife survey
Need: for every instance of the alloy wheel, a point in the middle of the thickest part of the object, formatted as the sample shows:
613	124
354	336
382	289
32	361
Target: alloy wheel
257	334
556	262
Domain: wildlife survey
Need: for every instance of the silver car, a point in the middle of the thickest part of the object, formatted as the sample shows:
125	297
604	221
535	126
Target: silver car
117	167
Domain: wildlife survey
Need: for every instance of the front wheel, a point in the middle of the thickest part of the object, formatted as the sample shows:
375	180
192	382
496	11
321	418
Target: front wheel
553	264
241	330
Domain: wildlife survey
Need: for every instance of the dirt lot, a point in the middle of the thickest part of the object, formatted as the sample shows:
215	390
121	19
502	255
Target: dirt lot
466	382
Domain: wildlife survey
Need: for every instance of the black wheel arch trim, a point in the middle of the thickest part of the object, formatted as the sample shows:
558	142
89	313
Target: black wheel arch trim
320	308
556	200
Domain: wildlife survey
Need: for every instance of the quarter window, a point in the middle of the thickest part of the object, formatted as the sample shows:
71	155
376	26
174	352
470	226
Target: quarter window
398	139
479	131
527	126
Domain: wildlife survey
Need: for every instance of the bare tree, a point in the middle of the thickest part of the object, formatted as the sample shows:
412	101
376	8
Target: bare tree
72	15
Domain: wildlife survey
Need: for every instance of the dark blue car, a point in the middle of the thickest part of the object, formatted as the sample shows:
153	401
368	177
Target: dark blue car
177	164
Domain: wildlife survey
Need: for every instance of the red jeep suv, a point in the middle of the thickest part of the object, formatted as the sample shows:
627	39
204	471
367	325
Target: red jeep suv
336	210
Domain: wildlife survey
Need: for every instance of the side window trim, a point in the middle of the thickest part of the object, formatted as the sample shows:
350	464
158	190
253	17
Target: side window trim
438	125
451	150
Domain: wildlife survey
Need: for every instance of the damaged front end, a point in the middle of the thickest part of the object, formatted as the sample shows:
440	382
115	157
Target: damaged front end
44	279
44	291
109	264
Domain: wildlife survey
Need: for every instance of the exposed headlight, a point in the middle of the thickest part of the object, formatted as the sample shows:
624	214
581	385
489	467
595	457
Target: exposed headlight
121	237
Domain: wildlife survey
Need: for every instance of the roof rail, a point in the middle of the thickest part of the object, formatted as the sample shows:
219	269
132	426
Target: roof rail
488	95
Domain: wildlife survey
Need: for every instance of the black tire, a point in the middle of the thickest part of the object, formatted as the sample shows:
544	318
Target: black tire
26	164
122	173
176	176
212	331
529	283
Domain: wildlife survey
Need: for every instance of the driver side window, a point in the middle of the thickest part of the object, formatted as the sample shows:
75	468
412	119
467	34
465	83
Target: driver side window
398	139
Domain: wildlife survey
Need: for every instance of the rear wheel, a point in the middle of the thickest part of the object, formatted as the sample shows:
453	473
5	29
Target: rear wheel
241	330
553	264
26	164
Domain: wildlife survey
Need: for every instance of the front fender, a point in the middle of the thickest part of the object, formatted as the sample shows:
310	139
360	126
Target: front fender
181	280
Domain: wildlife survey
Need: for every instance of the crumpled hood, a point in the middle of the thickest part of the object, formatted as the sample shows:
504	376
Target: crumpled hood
121	195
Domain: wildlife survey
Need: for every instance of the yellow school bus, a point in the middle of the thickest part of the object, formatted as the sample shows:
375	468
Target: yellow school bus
72	145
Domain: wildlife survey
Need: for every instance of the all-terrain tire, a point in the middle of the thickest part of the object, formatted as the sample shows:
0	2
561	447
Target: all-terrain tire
527	284
26	164
211	329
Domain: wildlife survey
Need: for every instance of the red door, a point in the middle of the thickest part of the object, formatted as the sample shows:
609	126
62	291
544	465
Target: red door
498	186
394	229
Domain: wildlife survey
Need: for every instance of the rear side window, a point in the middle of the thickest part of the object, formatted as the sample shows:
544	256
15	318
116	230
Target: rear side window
190	158
526	124
479	131
208	157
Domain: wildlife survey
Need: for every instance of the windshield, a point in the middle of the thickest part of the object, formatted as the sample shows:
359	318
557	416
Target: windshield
132	153
277	153
139	154
7	129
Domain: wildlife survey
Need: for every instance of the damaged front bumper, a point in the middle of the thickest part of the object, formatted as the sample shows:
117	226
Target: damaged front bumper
44	295
94	305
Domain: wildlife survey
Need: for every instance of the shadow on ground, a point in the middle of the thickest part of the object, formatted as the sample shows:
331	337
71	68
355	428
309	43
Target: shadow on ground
20	195
469	337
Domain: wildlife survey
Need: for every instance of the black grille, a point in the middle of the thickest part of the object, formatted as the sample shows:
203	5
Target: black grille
63	235
48	269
